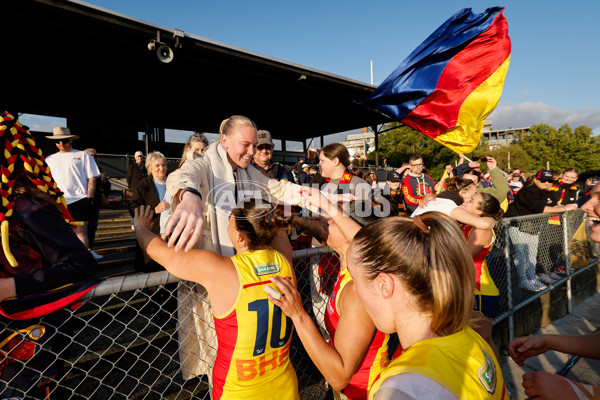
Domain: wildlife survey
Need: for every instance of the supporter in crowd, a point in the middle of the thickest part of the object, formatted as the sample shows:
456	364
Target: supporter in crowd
135	171
451	203
262	159
75	173
563	191
193	148
496	185
373	179
149	192
236	287
393	194
303	176
209	188
524	235
334	161
415	277
357	351
416	184
441	186
102	190
546	385
43	268
515	183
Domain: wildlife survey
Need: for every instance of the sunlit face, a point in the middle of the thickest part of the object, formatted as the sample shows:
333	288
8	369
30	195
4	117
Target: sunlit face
592	210
198	147
467	193
327	166
416	166
158	169
139	159
569	177
264	153
473	206
240	146
542	185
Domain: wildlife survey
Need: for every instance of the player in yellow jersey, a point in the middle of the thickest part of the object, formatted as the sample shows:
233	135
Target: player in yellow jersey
253	335
357	352
415	277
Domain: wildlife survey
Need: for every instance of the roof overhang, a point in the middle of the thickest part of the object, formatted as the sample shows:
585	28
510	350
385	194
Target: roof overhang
72	59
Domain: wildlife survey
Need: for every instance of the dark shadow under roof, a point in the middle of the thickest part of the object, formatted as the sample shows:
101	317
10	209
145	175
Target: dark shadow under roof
74	60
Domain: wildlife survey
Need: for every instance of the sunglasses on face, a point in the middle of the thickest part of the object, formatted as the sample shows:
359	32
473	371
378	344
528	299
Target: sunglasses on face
482	158
264	147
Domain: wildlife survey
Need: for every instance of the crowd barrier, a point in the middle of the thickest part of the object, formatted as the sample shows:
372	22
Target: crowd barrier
135	337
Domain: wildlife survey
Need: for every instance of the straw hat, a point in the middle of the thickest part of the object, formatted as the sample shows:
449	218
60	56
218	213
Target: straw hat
61	133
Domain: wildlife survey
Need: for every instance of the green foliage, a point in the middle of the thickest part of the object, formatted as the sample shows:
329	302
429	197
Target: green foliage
562	148
518	158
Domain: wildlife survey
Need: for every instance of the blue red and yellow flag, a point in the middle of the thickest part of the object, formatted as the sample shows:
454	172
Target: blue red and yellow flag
449	84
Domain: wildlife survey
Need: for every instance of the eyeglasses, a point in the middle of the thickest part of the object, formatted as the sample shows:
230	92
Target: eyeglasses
263	147
62	141
416	165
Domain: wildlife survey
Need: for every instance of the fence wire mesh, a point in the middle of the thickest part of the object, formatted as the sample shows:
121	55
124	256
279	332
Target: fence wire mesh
148	336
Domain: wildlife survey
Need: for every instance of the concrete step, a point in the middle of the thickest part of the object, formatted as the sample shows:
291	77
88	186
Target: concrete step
114	221
115	233
113	226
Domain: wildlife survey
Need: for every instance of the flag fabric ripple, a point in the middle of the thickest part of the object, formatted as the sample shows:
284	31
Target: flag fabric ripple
449	84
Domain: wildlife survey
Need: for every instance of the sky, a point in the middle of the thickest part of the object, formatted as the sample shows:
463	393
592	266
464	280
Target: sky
553	76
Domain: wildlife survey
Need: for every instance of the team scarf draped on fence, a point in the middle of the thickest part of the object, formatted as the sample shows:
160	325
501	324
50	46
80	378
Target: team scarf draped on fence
449	84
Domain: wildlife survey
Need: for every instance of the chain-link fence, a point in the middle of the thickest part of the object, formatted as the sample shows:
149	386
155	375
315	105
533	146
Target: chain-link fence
148	336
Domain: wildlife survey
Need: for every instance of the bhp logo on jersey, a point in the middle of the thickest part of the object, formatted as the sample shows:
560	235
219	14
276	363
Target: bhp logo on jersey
247	370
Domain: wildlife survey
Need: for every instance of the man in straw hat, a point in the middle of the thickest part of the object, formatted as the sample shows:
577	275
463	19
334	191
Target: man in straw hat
75	173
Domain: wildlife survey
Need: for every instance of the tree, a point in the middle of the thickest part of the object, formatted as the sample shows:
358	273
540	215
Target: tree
562	147
518	157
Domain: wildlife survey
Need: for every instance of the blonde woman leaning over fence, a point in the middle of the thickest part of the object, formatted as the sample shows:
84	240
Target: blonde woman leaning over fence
253	336
415	277
545	385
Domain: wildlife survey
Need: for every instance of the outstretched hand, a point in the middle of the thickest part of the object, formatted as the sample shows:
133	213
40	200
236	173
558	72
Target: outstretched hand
545	385
186	223
521	348
142	217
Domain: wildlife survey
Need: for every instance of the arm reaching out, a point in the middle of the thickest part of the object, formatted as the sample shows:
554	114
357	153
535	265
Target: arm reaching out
190	220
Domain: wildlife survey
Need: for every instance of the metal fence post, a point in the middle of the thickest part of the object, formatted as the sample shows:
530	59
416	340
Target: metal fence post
567	260
509	288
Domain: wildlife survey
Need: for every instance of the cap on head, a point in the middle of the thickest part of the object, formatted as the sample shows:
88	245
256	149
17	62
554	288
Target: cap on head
304	166
543	175
264	137
394	177
60	132
139	153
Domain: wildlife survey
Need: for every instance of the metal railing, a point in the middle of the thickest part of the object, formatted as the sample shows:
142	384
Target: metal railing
145	336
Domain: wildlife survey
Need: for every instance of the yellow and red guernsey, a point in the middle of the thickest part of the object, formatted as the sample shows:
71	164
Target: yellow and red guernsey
448	85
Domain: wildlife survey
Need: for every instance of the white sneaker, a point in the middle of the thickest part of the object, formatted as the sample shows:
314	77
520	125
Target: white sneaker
545	278
533	285
96	255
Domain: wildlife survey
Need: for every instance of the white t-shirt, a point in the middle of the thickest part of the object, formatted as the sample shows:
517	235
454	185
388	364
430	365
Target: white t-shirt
411	386
71	172
445	206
